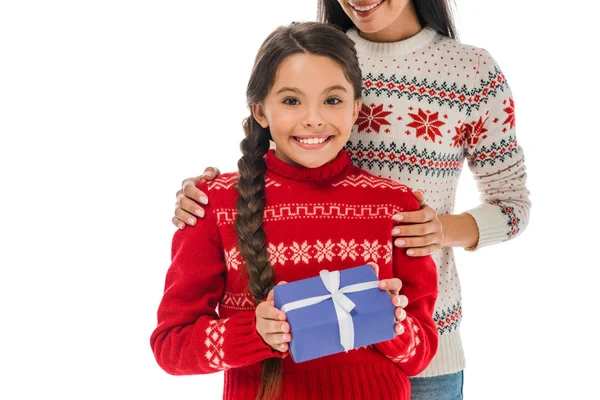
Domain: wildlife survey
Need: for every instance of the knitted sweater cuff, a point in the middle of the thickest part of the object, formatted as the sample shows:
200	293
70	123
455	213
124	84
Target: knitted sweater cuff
245	342
492	225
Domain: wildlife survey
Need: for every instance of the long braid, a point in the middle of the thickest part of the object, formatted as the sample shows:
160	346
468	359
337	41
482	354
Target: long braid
251	235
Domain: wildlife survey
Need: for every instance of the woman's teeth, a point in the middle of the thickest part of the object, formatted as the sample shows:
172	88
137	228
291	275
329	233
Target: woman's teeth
365	8
312	140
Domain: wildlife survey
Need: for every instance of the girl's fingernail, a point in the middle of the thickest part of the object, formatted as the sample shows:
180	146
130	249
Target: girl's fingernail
286	338
200	212
410	252
397	301
400	242
395	232
397	217
180	225
283	329
207	173
203	199
190	221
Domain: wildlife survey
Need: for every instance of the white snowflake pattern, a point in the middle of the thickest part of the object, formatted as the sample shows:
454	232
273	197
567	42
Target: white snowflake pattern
233	259
370	250
277	254
300	252
214	344
348	249
324	250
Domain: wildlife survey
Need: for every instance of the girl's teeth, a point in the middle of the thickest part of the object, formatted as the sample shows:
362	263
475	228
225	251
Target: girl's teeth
367	8
311	141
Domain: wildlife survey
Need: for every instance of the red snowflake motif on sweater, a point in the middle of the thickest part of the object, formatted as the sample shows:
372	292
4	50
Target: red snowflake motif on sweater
370	118
510	119
474	131
426	124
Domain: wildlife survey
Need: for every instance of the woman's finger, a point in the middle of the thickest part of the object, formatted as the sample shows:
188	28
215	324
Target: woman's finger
210	173
423	251
178	223
419	241
420	196
278	341
185	217
195	194
425	214
191	207
269	326
403	301
418	229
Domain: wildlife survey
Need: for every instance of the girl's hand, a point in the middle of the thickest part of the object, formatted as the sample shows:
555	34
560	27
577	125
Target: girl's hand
421	231
271	324
189	198
399	301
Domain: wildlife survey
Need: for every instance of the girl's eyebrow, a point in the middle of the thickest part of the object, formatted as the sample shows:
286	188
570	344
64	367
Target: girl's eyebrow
296	90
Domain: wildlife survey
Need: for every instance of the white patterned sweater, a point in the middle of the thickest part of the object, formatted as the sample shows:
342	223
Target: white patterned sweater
428	104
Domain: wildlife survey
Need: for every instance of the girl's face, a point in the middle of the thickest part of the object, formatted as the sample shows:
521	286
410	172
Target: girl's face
310	110
383	20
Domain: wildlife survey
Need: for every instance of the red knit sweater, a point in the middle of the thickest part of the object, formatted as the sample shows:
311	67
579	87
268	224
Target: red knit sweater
333	217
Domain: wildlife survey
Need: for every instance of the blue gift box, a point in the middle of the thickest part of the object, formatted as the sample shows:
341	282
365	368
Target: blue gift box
315	327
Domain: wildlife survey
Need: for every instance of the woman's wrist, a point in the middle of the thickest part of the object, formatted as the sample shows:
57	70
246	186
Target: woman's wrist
459	230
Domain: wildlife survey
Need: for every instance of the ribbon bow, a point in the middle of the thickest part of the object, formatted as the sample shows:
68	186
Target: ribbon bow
343	305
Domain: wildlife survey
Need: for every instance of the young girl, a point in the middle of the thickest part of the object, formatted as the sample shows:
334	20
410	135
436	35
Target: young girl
286	215
429	103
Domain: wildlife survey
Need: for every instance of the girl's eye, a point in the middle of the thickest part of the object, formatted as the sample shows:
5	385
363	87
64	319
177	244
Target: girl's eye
291	101
333	101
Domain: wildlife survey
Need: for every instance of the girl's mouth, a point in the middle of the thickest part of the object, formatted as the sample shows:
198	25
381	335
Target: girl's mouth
312	143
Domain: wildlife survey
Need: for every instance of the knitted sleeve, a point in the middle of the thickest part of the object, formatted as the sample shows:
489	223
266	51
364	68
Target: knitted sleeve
414	349
495	158
190	337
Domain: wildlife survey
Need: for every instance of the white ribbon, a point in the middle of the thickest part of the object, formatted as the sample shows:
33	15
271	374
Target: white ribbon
343	305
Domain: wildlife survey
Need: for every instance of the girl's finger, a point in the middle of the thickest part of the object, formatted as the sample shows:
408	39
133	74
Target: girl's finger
275	340
194	194
403	301
375	267
392	285
266	310
423	251
420	196
399	329
400	314
268	326
419	241
425	214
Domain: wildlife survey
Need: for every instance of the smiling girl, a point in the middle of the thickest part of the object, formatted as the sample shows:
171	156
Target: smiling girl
287	214
430	105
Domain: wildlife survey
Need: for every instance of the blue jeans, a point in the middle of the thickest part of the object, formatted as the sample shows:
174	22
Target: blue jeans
443	387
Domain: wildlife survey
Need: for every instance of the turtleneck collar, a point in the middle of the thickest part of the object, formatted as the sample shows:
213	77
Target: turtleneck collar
332	168
364	46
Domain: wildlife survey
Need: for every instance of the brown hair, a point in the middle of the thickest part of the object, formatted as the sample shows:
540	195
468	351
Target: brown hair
309	38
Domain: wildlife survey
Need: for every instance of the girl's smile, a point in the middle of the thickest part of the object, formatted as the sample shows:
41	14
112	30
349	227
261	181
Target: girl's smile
310	110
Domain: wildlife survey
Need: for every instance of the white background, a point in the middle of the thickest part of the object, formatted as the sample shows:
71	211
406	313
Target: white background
106	106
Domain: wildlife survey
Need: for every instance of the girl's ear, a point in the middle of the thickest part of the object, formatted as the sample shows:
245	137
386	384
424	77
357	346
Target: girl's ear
356	110
259	115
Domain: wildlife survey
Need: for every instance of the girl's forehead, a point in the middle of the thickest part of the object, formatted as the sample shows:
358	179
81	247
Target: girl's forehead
310	71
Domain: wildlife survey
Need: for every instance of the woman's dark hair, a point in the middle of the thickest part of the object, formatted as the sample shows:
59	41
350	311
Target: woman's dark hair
308	38
433	13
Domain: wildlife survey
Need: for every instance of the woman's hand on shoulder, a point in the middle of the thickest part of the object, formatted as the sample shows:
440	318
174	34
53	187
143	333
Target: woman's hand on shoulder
420	232
190	199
